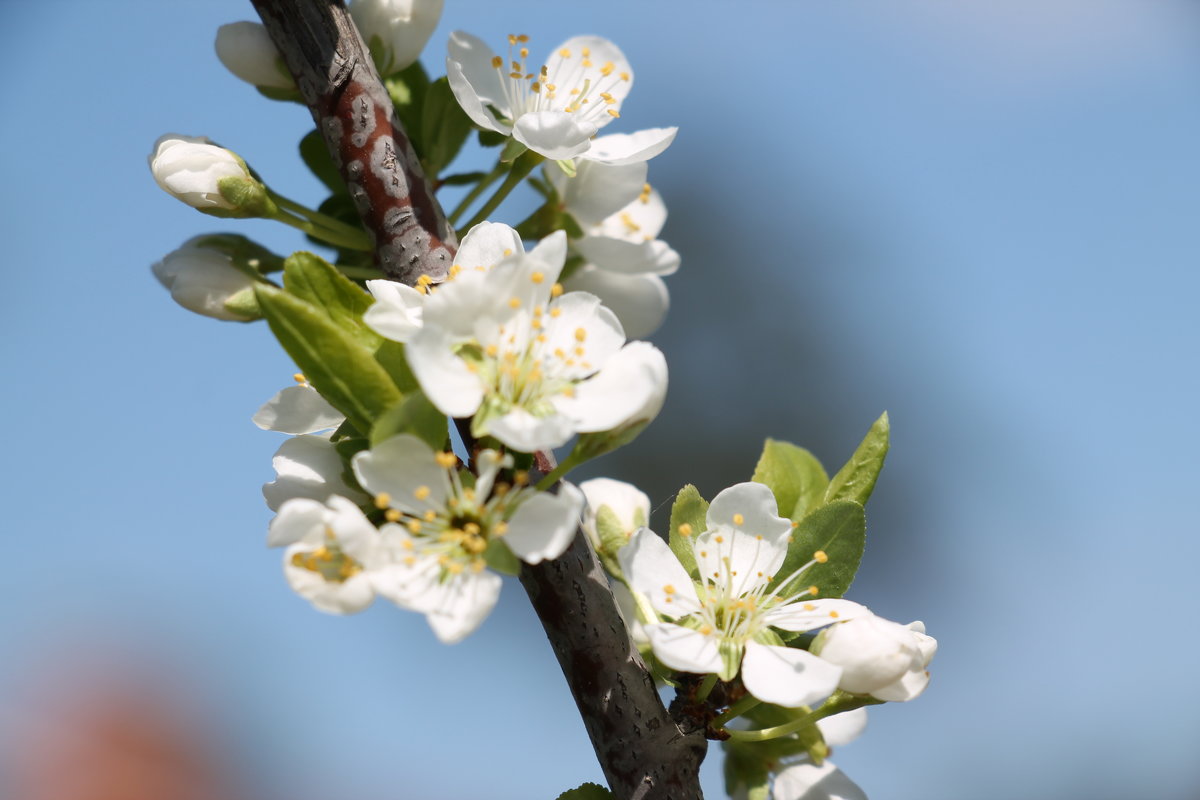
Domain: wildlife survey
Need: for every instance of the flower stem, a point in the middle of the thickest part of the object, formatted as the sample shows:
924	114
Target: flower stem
555	475
835	705
706	686
473	195
736	710
323	226
520	170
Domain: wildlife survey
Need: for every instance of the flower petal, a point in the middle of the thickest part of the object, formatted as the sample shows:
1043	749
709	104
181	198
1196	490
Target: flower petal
526	433
738	560
403	468
487	244
544	525
598	191
397	311
654	257
474	81
462	604
750	507
639	301
593	75
805	781
298	410
630	387
617	149
787	676
843	728
296	520
808	615
555	134
444	377
653	570
308	467
683	648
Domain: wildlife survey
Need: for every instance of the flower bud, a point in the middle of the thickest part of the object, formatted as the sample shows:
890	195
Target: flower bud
207	177
615	510
207	281
878	657
247	51
395	30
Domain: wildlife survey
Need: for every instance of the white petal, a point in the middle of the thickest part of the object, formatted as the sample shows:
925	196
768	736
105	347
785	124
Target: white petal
298	410
630	387
526	433
910	686
551	254
630	148
246	50
737	559
464	602
475	82
444	377
403	467
654	257
487	244
843	728
554	134
629	503
653	570
787	676
397	311
755	505
296	520
595	67
598	191
457	305
639	301
806	781
308	467
587	332
683	648
347	597
544	525
641	220
357	537
808	615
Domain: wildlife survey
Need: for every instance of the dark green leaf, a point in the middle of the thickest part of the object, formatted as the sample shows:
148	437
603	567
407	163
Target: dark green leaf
318	283
391	357
500	558
343	370
794	476
689	509
839	529
444	127
415	415
488	138
856	480
316	155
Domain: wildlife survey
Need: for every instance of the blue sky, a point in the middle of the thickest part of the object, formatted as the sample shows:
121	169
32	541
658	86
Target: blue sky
980	217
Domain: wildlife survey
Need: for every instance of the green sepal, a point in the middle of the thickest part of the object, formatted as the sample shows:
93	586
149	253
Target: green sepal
392	358
336	363
586	791
856	480
248	196
317	282
793	475
512	150
691	509
731	659
490	138
500	557
444	127
768	636
610	531
840	530
282	95
315	154
244	304
415	415
567	165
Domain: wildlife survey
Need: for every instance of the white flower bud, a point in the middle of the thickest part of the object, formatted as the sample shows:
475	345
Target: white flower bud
204	280
628	505
396	30
878	657
190	167
246	50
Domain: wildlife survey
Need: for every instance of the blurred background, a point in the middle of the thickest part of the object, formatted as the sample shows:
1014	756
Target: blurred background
979	216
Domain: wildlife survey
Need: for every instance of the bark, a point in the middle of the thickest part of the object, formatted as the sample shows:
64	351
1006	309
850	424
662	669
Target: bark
646	754
337	79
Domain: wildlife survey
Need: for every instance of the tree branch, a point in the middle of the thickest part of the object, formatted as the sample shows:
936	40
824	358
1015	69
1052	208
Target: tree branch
644	752
337	79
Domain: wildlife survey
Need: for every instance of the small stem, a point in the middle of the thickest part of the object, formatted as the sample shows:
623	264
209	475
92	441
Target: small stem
347	236
736	710
521	168
555	475
323	234
835	705
706	686
479	189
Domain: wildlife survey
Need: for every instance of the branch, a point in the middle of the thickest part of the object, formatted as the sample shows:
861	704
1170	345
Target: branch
644	753
337	79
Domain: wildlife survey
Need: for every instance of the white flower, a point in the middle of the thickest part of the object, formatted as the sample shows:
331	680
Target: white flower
532	365
724	620
556	109
189	168
246	50
307	466
395	30
331	550
879	657
806	781
440	529
628	506
298	409
205	280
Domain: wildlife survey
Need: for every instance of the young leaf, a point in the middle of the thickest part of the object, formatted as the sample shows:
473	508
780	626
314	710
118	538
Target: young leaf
588	791
316	155
794	475
444	126
689	509
334	362
856	480
415	415
318	283
840	530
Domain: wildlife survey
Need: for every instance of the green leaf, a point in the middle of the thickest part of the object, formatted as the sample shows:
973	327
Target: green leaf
688	509
334	362
444	127
501	558
587	791
463	178
490	138
318	283
794	476
840	530
856	480
407	89
415	415
315	154
746	768
391	357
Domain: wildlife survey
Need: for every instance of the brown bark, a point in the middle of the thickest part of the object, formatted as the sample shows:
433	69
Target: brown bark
644	752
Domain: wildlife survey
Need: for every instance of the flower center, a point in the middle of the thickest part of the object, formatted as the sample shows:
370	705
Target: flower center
576	84
328	561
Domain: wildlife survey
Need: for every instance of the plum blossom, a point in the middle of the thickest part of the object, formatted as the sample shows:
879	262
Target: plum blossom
396	31
554	109
246	50
879	657
531	365
207	281
721	623
190	168
440	530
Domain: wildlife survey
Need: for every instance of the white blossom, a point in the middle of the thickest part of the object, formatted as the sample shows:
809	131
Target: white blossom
557	108
308	466
189	168
205	280
246	50
879	657
395	30
298	409
722	622
531	365
331	551
807	781
439	529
